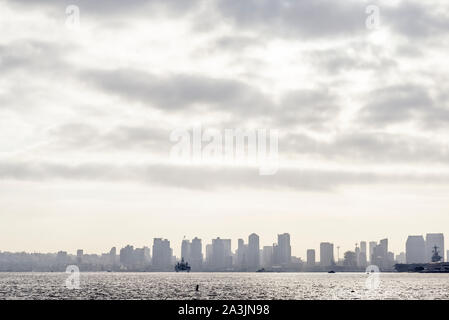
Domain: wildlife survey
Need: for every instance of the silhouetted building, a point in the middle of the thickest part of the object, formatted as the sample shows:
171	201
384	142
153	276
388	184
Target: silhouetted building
162	255
127	257
415	249
253	252
311	258
209	255
79	256
221	258
372	245
363	255
285	250
196	255
242	251
400	258
267	256
185	250
326	254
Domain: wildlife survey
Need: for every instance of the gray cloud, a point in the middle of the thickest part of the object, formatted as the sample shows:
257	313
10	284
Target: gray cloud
403	103
307	18
183	92
312	108
112	7
84	137
366	147
204	178
176	92
415	19
30	55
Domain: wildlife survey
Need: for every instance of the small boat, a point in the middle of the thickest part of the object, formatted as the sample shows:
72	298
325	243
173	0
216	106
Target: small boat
182	266
332	271
261	270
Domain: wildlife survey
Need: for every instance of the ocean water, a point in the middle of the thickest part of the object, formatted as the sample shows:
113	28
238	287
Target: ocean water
226	286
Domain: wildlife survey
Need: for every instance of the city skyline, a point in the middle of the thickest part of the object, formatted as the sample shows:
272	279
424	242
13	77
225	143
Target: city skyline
417	249
93	94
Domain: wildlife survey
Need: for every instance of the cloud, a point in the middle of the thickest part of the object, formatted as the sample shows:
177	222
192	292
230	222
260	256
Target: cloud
90	138
114	7
208	178
313	108
176	92
403	103
414	19
307	18
369	148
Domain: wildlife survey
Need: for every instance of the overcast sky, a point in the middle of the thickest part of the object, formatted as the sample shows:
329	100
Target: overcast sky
86	115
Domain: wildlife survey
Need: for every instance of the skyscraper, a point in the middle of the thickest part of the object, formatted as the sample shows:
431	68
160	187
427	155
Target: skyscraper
372	245
221	256
400	258
326	254
363	257
162	255
415	249
196	254
363	247
209	257
434	240
241	254
253	252
267	256
185	250
79	256
311	258
127	256
285	250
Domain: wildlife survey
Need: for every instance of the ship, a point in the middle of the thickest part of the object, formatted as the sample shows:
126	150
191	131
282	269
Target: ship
436	266
182	266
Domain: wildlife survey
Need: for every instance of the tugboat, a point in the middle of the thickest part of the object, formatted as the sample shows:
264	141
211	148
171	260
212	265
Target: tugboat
182	266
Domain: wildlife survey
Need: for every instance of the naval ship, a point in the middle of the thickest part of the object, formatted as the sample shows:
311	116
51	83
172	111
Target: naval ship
182	266
436	266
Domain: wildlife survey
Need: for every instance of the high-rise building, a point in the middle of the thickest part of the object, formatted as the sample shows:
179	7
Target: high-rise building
141	258
241	254
311	258
434	240
276	255
267	256
113	256
326	254
363	255
383	244
415	249
253	252
363	247
400	258
127	256
380	255
221	257
285	250
196	254
357	254
185	250
209	255
372	245
162	255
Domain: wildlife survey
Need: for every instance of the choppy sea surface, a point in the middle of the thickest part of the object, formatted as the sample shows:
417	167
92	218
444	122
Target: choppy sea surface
225	286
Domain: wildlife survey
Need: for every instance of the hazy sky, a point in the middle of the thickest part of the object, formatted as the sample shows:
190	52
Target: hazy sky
86	114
